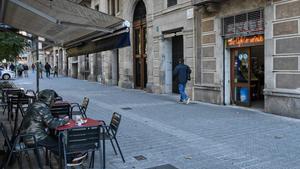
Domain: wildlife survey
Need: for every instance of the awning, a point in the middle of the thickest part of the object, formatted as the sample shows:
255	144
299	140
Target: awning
115	40
61	21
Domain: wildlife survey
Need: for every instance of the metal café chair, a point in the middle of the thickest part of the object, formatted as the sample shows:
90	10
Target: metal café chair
77	109
12	100
20	104
60	109
111	132
80	140
4	103
16	146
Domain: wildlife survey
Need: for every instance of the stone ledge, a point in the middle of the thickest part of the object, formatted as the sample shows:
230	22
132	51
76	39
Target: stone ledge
283	105
282	93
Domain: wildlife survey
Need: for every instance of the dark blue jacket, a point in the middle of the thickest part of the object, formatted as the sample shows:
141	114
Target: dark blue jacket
182	71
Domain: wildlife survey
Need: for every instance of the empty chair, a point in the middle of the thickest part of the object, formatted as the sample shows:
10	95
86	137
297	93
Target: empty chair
80	141
12	95
111	132
3	103
77	109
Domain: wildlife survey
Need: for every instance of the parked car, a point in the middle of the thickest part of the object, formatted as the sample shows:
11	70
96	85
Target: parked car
7	74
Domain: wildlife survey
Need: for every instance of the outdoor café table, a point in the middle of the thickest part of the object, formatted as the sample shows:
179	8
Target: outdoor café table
60	108
72	125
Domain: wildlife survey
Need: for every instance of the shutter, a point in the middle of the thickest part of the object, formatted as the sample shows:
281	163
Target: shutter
246	24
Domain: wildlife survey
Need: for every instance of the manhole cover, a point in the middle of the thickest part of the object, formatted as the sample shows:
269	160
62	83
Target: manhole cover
140	157
126	108
166	166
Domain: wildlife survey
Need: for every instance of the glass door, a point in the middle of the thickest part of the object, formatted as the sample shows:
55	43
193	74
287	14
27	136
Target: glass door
241	76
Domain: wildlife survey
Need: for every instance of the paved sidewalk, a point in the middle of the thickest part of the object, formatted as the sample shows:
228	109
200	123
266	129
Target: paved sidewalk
195	136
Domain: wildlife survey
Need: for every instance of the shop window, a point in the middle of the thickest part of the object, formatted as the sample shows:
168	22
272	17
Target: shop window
171	3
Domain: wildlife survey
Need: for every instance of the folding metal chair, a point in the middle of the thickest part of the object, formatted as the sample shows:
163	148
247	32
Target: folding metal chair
111	132
77	109
16	146
80	140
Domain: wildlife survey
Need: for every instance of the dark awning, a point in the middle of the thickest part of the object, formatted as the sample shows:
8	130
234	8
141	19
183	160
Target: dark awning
60	21
115	40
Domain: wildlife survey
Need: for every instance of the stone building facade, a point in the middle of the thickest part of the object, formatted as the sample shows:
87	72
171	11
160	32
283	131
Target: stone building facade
240	52
224	34
154	24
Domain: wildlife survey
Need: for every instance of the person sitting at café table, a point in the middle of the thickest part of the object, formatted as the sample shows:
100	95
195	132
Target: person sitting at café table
39	118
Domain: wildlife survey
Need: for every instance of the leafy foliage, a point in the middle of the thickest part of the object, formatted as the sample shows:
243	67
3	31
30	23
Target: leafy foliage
11	45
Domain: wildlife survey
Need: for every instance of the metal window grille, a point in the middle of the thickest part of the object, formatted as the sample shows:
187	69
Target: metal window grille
247	24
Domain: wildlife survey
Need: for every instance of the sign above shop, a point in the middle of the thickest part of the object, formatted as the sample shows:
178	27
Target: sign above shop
245	41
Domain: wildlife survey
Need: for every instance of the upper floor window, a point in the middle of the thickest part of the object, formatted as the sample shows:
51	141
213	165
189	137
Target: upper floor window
171	2
111	7
117	6
97	7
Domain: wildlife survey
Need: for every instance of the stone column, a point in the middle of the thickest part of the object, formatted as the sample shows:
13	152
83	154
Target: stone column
60	61
81	67
114	67
65	63
93	71
69	68
98	70
55	56
107	58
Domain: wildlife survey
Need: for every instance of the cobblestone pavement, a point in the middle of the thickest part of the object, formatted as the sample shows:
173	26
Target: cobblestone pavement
195	136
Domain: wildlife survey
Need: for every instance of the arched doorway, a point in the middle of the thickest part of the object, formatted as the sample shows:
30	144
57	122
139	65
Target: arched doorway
139	46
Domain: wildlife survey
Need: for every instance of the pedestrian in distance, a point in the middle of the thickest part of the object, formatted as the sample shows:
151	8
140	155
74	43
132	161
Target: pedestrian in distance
20	70
41	68
26	68
55	71
12	67
5	66
182	72
47	69
33	67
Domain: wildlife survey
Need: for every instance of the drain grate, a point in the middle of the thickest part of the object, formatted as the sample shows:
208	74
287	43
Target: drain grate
140	157
166	166
126	108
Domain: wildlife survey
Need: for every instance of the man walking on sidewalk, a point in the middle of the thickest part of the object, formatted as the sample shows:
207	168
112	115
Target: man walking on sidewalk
47	69
182	72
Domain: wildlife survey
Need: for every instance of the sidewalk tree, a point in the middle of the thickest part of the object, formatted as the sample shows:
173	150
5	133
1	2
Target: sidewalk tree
11	45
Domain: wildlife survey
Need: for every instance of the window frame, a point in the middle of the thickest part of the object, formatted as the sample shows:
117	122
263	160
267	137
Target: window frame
171	3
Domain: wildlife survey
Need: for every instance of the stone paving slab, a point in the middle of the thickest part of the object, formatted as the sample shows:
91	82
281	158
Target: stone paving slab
195	136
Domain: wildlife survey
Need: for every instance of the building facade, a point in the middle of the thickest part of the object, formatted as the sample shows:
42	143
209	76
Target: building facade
248	54
241	52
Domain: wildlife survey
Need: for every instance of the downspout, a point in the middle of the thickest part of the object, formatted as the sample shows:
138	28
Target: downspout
224	78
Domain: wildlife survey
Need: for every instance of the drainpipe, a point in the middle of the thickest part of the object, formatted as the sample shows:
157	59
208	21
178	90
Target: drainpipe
224	79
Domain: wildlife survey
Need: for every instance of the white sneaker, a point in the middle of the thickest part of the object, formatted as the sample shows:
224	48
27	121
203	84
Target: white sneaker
77	160
188	101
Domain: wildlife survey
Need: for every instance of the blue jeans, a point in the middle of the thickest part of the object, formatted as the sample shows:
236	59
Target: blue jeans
181	88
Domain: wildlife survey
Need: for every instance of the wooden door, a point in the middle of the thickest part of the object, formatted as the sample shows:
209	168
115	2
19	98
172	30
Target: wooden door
241	76
139	54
